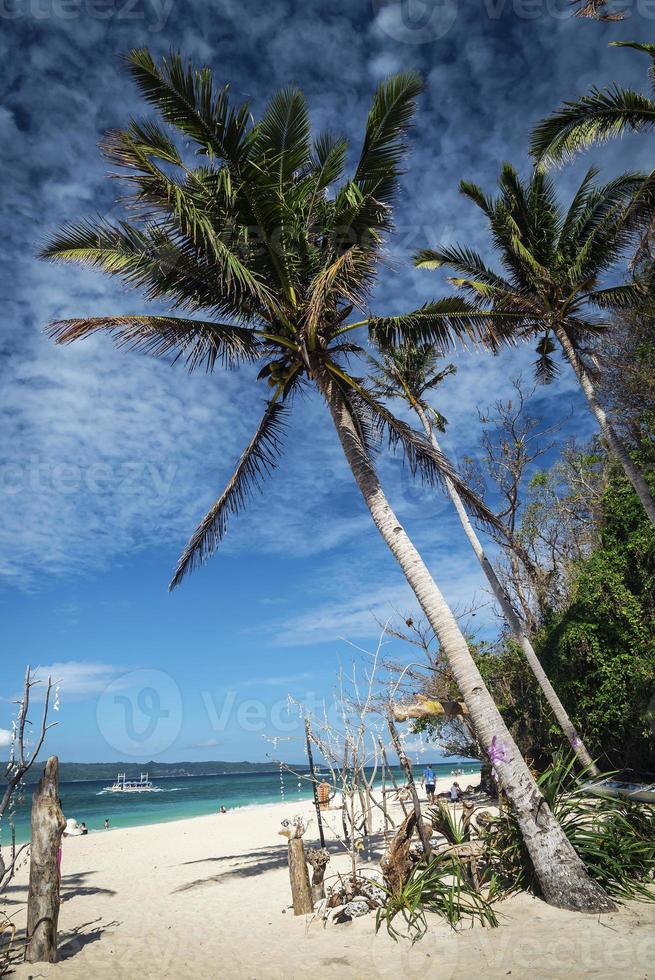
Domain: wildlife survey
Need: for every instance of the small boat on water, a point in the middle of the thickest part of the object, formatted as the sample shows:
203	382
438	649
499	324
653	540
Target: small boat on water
125	785
618	788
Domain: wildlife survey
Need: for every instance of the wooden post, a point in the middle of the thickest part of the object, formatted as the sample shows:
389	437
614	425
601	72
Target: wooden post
301	891
405	763
317	805
48	824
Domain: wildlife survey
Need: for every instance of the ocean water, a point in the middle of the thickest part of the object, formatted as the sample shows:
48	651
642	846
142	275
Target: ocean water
176	798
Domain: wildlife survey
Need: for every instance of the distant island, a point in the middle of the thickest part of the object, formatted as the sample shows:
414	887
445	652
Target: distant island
76	771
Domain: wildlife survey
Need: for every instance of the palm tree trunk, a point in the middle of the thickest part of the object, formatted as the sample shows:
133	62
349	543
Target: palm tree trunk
562	876
510	615
607	429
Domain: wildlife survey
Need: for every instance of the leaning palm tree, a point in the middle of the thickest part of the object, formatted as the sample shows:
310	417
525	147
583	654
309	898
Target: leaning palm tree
266	251
409	372
554	266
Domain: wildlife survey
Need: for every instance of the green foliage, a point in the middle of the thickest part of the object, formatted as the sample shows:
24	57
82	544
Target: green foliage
250	227
555	261
440	887
613	837
600	650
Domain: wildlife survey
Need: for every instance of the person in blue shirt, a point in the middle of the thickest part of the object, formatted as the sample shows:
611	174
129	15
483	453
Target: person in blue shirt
429	783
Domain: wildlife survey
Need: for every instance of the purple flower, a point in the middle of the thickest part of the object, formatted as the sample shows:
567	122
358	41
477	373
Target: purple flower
496	752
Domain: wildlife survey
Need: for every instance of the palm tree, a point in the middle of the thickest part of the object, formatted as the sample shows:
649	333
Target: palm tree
268	243
554	263
595	118
409	372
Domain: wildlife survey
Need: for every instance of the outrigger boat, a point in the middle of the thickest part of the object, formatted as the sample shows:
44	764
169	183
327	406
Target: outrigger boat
642	792
125	785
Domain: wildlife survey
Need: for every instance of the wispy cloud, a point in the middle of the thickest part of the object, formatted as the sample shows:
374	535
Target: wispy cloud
79	679
105	454
5	738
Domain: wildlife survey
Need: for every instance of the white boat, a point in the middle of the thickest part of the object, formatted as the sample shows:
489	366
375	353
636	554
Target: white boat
642	792
125	785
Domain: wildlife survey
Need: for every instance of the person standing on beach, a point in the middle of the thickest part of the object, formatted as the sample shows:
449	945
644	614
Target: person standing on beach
429	783
106	823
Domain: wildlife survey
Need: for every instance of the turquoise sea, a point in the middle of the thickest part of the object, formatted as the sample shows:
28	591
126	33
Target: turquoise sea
176	798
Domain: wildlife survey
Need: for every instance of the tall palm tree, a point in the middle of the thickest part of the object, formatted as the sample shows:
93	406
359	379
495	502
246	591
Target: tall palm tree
408	372
554	264
596	117
266	241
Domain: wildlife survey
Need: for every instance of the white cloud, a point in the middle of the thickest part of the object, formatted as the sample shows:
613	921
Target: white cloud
79	679
5	737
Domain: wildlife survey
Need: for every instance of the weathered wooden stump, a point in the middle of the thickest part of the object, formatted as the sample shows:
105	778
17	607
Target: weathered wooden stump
48	824
301	891
318	859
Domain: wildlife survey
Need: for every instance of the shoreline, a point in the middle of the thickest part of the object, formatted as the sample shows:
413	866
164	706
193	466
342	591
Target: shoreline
209	896
90	811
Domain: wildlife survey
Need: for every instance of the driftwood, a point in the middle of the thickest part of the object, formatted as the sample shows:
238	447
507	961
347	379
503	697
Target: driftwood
397	863
405	763
318	859
301	892
48	824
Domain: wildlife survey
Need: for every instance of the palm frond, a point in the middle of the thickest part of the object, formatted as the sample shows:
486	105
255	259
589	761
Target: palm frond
384	144
594	118
421	456
545	367
442	322
186	99
595	9
200	343
259	458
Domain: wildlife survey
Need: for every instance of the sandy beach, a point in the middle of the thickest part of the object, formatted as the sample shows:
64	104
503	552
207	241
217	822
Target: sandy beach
209	897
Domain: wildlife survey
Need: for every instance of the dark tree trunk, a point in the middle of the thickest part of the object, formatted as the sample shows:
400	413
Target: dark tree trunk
48	824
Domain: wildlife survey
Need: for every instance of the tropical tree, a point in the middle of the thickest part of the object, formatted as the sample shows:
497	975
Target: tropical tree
267	242
554	266
409	372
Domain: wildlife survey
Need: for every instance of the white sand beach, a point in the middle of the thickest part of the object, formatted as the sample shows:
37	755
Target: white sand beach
209	897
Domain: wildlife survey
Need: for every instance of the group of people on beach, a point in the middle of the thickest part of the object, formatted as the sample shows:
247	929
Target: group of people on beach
430	785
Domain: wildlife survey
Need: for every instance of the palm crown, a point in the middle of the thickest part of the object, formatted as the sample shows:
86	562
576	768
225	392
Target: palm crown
410	371
268	241
554	261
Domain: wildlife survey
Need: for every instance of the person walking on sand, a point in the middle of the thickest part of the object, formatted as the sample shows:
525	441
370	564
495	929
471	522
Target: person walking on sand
429	783
455	793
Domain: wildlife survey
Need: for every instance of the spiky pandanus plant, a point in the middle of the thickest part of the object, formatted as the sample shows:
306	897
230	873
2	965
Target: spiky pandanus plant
409	372
555	268
268	243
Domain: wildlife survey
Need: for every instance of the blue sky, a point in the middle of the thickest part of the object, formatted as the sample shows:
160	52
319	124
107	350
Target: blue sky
107	460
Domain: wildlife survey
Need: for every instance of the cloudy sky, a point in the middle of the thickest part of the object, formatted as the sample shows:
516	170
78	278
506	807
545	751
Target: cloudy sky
108	460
